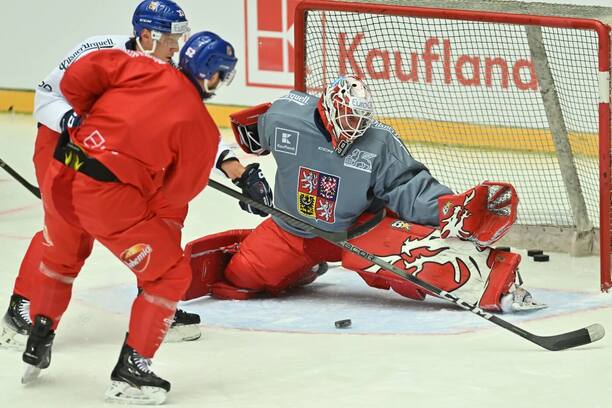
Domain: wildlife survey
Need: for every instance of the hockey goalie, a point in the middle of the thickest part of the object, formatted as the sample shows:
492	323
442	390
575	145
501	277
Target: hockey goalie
336	166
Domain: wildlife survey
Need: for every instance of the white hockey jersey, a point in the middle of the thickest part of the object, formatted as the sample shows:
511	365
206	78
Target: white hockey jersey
50	105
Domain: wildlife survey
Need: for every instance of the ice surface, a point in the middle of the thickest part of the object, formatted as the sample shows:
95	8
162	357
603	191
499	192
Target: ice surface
286	352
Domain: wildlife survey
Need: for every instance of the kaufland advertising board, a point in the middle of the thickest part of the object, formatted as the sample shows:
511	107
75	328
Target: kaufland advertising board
270	55
436	58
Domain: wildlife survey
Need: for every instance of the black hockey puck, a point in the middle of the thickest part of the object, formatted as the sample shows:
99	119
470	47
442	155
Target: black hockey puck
541	258
533	252
503	249
343	324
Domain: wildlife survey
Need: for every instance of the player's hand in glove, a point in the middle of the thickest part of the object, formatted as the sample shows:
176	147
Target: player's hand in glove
69	121
254	185
482	214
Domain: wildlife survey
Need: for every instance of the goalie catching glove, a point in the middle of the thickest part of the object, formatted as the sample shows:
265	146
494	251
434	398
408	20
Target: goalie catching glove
482	214
254	185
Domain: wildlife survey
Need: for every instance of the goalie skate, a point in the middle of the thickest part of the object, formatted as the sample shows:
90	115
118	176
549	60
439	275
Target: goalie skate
520	300
16	324
133	382
185	327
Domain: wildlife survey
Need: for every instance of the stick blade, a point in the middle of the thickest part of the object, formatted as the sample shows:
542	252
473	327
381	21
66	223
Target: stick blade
573	339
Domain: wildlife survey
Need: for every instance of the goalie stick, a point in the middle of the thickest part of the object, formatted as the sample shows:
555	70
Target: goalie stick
32	188
557	342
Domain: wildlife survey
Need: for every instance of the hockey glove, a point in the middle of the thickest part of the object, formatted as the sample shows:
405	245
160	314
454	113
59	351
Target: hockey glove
482	214
254	185
69	121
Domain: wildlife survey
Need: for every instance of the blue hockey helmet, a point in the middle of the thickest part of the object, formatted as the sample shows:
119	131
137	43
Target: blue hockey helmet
163	16
206	53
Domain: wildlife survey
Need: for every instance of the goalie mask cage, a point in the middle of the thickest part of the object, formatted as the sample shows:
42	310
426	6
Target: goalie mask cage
486	90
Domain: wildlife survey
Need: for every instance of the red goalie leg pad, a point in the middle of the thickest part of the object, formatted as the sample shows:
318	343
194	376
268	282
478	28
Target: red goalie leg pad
384	280
224	290
208	256
398	242
149	322
501	278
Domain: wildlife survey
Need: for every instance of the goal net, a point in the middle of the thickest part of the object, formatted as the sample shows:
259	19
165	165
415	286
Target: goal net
487	90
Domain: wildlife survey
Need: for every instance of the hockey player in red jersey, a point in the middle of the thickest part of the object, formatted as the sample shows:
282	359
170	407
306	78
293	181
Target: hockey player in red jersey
158	27
144	134
334	161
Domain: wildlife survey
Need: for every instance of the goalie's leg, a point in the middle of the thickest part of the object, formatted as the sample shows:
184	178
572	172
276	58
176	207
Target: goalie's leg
273	260
241	264
480	275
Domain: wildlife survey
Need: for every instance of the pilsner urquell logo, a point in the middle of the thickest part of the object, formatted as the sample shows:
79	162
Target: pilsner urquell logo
137	257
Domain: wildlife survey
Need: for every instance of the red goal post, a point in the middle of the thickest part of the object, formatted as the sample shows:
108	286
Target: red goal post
498	90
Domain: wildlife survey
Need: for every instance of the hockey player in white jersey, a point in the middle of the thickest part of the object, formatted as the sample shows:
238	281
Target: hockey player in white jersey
334	162
158	27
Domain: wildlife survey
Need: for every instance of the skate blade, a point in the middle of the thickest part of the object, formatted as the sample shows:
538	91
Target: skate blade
121	392
31	374
527	307
12	340
188	332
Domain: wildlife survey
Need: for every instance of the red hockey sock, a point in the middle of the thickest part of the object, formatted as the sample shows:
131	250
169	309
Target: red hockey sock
24	285
150	319
52	295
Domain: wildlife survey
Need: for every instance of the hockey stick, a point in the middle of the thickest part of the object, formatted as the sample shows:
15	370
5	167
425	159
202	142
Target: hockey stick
557	342
32	188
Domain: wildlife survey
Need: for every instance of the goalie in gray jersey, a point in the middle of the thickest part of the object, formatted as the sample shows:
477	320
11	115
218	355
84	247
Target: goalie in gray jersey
334	163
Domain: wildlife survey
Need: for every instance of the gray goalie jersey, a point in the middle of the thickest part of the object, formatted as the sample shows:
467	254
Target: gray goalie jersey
329	191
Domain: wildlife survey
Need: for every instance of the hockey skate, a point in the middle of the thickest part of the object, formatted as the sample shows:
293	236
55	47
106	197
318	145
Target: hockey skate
37	354
133	382
16	324
519	300
185	326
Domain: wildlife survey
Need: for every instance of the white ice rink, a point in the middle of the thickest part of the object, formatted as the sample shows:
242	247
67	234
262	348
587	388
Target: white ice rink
285	352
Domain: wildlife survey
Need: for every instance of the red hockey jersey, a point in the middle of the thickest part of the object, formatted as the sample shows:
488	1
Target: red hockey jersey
144	120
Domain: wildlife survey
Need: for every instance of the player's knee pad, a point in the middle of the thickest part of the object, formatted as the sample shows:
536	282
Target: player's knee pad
208	257
502	276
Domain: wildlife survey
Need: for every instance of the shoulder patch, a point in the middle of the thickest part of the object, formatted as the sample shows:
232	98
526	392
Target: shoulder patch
360	160
286	141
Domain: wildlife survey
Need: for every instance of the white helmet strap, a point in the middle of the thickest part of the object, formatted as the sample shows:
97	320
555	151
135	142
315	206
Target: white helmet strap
156	36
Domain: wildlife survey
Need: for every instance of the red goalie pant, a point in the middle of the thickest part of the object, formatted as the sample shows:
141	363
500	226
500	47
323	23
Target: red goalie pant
272	260
78	210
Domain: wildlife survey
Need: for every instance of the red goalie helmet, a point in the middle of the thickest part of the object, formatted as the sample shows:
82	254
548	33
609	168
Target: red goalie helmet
346	110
